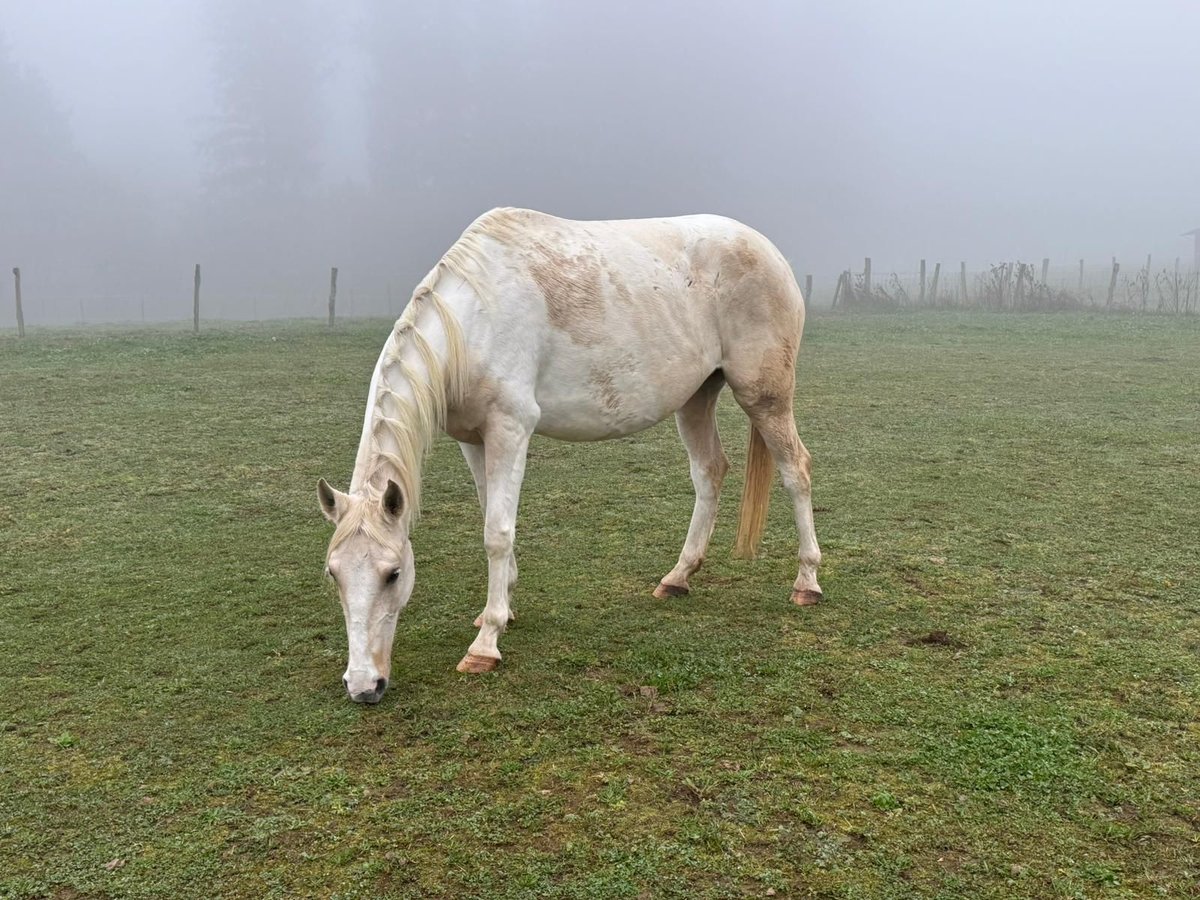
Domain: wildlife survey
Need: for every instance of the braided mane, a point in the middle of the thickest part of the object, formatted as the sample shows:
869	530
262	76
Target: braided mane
403	426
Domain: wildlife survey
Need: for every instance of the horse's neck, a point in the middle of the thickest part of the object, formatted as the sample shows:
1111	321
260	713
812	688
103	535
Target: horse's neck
364	460
416	364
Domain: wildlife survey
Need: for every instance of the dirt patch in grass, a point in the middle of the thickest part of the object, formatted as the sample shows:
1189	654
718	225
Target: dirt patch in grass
936	638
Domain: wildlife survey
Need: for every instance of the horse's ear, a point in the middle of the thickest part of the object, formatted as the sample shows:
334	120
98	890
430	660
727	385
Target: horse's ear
393	499
332	502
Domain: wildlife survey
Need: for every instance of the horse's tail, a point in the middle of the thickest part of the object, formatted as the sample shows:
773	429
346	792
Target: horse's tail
756	496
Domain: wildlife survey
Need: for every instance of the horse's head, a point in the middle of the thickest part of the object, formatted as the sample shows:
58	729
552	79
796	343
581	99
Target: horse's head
370	560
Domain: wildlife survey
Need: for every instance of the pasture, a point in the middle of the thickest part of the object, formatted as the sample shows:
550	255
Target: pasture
1000	696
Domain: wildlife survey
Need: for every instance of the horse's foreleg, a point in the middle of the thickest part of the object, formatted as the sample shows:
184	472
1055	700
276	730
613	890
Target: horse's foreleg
697	423
474	455
505	446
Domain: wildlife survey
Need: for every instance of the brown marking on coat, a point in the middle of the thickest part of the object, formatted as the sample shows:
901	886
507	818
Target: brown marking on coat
571	289
748	259
668	247
740	260
775	384
619	288
758	280
605	390
383	663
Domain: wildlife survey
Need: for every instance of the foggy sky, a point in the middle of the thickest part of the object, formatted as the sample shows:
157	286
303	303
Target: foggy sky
270	140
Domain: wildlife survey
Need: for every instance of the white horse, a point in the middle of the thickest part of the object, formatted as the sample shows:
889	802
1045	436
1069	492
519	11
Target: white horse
582	331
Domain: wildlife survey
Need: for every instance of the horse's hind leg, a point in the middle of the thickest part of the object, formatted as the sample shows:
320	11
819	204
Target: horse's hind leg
767	400
697	422
795	467
473	454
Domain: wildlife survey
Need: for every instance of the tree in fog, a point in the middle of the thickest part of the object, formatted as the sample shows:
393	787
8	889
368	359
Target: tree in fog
425	98
259	214
62	220
264	145
42	169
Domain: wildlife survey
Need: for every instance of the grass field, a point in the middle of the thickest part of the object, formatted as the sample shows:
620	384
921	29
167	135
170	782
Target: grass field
1000	696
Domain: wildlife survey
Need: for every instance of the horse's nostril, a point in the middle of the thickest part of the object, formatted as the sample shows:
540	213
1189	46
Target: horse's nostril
381	686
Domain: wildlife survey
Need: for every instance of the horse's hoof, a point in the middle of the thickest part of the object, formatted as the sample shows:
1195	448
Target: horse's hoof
472	664
806	598
664	590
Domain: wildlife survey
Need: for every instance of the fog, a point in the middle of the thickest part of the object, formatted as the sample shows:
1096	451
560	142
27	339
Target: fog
268	141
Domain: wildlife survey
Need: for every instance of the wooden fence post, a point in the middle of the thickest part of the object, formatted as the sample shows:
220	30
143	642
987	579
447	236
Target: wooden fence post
807	288
20	312
937	271
1081	279
1045	268
196	300
332	293
837	290
962	281
1112	282
922	295
867	278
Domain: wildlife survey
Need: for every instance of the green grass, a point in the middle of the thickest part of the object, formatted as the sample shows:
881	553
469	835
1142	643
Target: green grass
1000	697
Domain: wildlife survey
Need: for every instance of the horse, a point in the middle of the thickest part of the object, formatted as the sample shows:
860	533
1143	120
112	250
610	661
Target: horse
582	331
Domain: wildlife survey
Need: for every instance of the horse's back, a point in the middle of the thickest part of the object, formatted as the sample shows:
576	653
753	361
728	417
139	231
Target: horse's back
667	274
620	321
692	260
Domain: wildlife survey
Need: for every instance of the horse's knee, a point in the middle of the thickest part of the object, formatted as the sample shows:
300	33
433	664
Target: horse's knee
498	541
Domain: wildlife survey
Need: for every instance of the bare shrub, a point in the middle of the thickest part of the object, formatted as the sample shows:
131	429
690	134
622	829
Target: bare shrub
1178	293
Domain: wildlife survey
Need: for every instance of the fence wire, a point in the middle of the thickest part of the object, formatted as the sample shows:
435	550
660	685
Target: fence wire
1017	285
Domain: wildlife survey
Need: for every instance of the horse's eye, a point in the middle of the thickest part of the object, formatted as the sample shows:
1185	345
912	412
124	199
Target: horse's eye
392	576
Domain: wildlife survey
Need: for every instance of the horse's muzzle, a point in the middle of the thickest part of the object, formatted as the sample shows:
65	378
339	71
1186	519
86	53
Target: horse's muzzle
370	697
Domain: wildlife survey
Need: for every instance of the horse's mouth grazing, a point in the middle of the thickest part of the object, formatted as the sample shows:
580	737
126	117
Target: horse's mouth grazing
371	697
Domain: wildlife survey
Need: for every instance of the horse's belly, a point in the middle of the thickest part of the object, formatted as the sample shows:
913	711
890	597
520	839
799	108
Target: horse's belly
612	401
582	422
